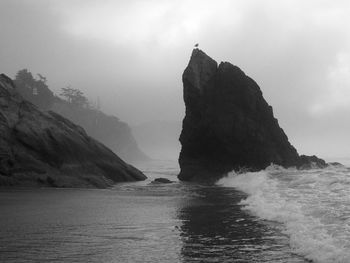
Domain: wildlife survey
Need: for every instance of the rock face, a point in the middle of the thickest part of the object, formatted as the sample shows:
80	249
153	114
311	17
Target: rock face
228	124
45	149
109	130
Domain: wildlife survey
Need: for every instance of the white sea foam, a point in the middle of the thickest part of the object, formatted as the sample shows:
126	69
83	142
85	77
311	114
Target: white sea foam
313	207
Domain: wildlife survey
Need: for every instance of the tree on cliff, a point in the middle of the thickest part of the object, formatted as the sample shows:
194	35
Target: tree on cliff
34	90
75	97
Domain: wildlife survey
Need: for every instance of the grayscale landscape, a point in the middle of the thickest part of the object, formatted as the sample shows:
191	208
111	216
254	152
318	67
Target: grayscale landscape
174	131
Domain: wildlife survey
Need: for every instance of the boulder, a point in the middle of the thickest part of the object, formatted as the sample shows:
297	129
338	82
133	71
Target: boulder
161	181
311	162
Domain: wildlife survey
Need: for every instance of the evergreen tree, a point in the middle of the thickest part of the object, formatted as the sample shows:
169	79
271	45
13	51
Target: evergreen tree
75	97
34	90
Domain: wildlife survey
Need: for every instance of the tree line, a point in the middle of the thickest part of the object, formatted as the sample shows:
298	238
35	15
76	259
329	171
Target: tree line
37	91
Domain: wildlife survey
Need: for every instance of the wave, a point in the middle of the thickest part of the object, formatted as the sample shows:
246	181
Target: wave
313	207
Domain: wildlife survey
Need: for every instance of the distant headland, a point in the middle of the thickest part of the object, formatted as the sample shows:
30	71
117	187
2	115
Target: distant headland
40	149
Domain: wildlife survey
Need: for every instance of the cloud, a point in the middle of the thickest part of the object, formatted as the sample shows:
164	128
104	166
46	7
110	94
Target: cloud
337	95
163	23
131	53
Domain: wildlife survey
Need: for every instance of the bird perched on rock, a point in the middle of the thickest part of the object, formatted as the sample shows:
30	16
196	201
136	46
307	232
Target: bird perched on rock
196	45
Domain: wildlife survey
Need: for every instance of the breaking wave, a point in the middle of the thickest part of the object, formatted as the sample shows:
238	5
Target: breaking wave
313	207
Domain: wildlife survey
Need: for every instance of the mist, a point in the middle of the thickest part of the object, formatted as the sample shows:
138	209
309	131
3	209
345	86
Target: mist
131	55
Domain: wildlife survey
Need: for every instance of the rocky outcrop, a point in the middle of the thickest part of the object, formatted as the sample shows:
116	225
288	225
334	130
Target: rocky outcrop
109	130
161	181
310	162
45	149
228	124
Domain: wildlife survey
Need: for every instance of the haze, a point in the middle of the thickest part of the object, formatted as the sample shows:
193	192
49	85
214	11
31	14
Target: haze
131	54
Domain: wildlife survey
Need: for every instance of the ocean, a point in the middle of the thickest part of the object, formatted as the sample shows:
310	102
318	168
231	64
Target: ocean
275	215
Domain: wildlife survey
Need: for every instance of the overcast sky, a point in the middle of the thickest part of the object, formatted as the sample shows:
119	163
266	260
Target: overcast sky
132	53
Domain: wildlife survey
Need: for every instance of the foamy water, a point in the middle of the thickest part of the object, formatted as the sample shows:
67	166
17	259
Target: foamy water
312	207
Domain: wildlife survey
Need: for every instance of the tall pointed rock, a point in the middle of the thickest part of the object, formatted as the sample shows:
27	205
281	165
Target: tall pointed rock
228	124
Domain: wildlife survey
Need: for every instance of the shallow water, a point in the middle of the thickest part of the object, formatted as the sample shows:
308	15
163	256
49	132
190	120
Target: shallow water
140	222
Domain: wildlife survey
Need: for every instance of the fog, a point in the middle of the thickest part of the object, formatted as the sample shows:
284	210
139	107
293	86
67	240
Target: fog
131	54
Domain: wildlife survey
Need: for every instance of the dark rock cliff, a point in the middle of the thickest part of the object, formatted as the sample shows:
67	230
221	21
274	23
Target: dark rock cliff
109	130
45	149
228	124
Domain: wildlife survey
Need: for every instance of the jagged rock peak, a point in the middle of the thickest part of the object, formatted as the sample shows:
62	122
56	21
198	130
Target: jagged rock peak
200	69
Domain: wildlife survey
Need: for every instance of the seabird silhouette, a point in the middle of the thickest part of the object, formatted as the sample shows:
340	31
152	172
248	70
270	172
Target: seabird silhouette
196	45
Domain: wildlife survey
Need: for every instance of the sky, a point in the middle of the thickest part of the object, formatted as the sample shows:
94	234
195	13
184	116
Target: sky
131	54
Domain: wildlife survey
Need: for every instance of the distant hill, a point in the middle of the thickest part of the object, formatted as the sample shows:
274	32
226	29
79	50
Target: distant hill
107	129
159	139
112	132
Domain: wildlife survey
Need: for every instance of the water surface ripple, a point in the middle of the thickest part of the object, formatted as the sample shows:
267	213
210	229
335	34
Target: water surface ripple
138	222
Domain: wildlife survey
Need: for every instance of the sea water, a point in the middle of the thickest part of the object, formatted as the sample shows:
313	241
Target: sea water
275	215
311	207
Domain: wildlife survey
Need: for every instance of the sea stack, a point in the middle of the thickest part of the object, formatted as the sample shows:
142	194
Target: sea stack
45	149
228	124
